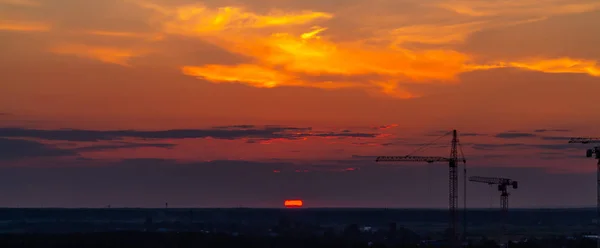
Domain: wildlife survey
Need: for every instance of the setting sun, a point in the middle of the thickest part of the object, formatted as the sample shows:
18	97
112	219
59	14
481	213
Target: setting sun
293	203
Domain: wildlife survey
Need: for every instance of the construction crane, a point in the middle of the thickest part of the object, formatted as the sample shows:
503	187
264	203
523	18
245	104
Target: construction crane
453	179
503	184
593	152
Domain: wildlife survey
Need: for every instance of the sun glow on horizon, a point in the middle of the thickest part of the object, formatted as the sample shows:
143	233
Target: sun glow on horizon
293	203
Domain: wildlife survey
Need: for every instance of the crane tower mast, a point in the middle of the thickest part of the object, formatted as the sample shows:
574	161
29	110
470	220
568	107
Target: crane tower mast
453	182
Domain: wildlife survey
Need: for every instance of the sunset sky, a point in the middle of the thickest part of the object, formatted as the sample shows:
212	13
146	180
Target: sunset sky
228	103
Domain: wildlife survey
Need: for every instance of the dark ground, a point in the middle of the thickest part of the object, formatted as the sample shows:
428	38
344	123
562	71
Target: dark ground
529	221
185	240
256	227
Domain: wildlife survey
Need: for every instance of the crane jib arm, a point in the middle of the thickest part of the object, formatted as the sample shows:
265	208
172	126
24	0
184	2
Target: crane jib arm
490	180
411	159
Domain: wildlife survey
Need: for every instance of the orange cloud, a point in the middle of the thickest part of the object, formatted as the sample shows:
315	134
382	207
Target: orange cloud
198	19
24	26
253	75
105	54
547	65
322	56
290	49
560	65
310	54
257	76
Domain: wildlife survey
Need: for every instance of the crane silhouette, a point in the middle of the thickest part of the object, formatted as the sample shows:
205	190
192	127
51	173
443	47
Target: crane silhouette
503	185
453	161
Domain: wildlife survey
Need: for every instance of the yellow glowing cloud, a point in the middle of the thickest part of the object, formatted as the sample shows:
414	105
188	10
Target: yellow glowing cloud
546	65
250	74
199	19
258	76
313	34
105	54
560	65
24	26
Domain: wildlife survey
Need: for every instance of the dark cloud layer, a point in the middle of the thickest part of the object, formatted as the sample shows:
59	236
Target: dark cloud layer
236	126
556	138
229	133
514	135
11	149
551	130
522	145
17	149
18	141
122	146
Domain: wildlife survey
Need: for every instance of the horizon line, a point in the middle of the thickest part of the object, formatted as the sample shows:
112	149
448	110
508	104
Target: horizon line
302	208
